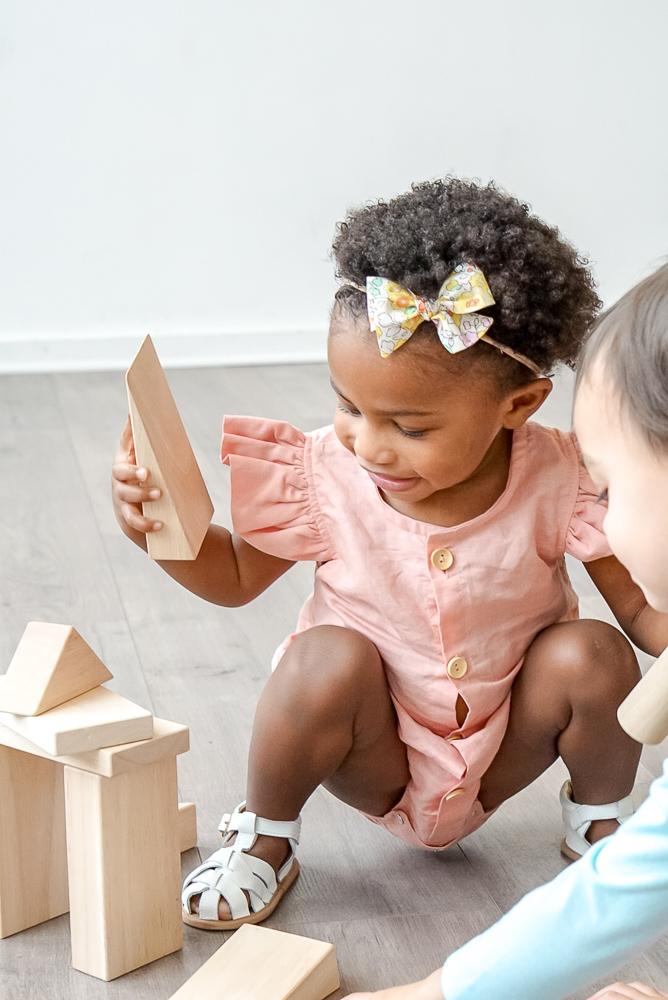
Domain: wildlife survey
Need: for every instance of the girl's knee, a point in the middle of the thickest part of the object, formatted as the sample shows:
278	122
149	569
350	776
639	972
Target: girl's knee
593	658
331	660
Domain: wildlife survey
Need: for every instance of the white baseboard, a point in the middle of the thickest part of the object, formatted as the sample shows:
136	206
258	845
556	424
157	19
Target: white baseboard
62	353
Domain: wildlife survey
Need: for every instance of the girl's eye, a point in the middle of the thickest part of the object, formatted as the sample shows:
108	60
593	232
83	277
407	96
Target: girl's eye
603	496
410	434
347	409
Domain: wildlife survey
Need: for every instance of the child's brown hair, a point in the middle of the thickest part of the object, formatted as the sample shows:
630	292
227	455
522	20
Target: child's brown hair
630	341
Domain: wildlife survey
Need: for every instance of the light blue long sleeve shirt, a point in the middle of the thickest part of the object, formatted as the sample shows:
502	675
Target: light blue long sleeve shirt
581	926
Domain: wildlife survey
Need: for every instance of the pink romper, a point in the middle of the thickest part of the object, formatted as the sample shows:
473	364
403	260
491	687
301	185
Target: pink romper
452	611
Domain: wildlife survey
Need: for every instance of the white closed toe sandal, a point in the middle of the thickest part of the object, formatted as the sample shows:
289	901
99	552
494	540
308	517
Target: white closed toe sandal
233	875
578	818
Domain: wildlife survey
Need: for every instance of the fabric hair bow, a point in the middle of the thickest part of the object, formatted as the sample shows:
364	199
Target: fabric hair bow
395	313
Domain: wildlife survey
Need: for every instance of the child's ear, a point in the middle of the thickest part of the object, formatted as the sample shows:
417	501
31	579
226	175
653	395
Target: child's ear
522	403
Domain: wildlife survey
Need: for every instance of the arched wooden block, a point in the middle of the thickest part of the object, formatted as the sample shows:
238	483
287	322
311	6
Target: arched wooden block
261	964
162	445
52	664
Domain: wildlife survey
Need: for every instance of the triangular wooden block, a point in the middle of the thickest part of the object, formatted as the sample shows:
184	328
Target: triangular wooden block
261	964
162	445
52	664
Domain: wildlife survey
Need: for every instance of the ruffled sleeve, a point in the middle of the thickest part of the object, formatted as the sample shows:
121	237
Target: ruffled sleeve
274	506
585	538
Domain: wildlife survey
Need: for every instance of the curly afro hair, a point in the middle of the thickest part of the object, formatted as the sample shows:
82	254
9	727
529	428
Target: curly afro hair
545	298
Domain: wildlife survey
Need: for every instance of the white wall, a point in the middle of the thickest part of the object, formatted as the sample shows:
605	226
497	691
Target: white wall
179	167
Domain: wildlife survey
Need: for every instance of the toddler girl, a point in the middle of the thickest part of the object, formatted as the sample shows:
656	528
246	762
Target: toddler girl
597	914
438	518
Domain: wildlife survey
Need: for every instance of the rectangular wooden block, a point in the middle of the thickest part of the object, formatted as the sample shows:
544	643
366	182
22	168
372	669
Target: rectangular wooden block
187	826
162	445
261	964
124	868
33	855
96	719
169	739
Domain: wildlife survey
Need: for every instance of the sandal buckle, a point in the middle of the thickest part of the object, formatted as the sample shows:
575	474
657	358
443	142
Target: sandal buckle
224	824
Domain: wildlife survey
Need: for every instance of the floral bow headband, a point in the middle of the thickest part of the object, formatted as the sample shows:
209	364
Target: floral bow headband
395	313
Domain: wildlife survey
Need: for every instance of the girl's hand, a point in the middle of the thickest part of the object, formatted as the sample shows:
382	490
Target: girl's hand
130	487
426	989
628	991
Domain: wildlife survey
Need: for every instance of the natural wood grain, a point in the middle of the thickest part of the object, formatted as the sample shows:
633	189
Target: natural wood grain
187	821
52	664
261	964
33	857
162	445
98	718
169	738
124	871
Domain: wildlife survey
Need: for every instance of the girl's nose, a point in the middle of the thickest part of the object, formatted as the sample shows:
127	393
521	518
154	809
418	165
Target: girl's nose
370	447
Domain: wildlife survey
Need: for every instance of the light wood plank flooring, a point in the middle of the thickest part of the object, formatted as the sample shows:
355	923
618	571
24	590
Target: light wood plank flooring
393	912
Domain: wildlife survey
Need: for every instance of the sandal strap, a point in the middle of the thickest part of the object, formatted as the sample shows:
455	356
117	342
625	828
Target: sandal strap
248	826
229	875
579	816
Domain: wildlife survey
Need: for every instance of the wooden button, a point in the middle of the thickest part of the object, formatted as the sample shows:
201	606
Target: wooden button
457	667
455	793
442	559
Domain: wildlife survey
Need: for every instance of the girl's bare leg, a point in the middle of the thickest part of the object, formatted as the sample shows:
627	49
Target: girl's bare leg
325	717
564	704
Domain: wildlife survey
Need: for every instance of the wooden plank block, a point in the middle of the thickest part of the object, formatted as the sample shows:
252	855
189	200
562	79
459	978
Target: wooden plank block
169	739
52	664
261	964
162	445
187	826
124	868
96	719
33	855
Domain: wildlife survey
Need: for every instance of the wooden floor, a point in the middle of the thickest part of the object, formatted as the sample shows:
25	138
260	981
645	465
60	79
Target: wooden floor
393	913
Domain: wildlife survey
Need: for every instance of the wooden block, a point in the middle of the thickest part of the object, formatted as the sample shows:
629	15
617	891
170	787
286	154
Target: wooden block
644	712
33	855
124	868
162	445
52	664
98	718
187	826
261	964
169	738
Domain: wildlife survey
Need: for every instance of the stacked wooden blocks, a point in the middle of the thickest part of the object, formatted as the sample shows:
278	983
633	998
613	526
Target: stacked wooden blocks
90	820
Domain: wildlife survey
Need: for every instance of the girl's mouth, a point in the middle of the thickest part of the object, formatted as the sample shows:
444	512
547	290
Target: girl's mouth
390	484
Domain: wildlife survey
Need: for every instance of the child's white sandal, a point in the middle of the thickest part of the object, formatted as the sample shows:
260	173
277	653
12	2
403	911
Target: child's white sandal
578	818
234	876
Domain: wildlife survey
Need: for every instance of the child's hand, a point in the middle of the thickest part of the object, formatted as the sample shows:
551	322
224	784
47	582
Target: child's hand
628	991
130	487
426	989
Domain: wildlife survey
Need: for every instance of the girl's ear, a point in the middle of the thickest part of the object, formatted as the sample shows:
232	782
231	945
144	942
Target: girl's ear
522	403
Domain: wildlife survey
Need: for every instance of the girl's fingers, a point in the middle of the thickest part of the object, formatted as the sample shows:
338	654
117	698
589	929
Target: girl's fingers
135	520
125	472
137	494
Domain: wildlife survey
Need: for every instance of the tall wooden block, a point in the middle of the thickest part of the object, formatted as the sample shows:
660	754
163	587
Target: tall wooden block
51	665
162	445
124	867
261	964
99	718
33	855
